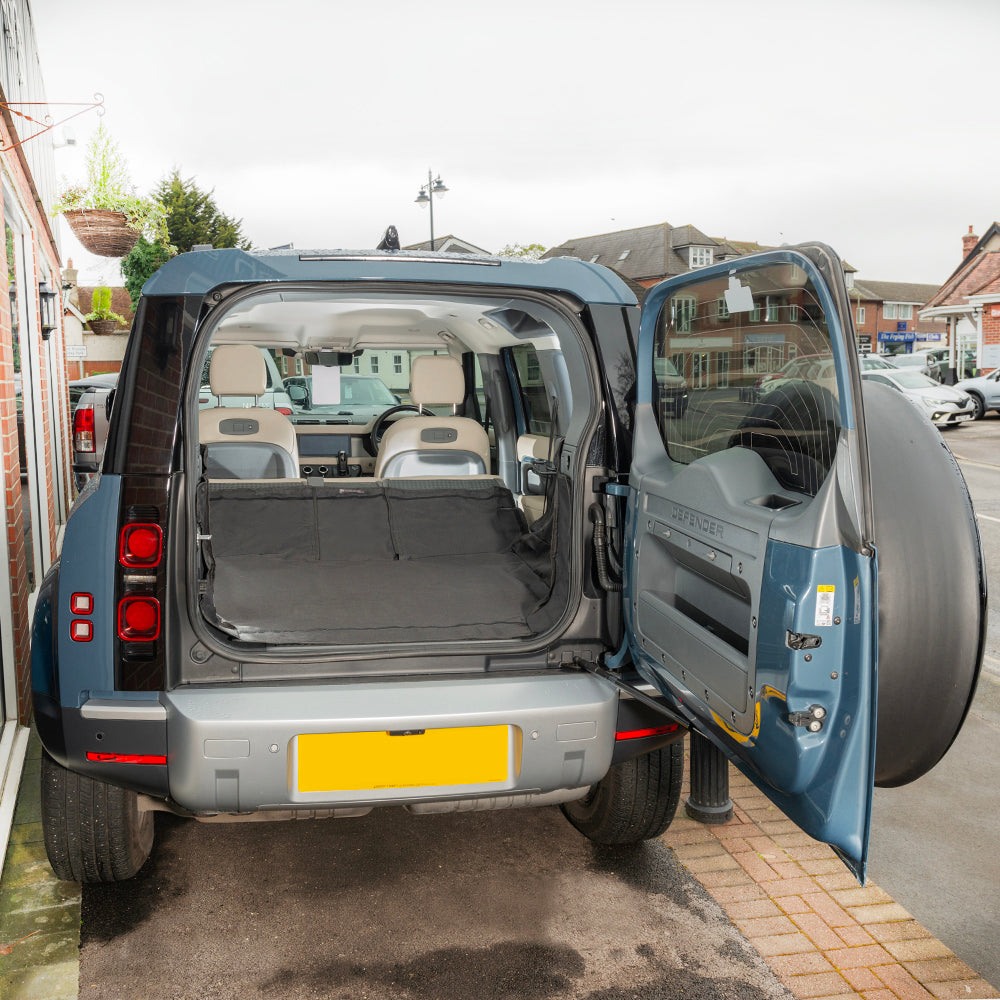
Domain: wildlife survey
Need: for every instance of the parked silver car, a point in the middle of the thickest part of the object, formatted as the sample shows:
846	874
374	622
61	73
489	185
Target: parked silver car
89	400
985	392
922	361
944	405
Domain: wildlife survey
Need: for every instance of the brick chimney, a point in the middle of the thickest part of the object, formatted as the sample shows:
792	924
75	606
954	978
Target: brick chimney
969	241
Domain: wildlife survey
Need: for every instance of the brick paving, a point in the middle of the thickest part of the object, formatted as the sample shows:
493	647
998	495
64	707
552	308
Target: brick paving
804	912
792	898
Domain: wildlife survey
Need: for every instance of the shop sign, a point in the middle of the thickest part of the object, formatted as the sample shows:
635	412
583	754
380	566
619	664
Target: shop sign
896	338
76	352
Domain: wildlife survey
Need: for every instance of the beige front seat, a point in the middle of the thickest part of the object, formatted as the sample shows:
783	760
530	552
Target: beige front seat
430	445
245	442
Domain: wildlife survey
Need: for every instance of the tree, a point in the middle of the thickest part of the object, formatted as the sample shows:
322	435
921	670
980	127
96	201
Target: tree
524	251
193	217
141	261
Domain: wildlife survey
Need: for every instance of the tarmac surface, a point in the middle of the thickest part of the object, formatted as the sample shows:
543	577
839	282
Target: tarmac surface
390	905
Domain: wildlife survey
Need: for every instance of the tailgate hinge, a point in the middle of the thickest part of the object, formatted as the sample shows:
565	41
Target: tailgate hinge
812	719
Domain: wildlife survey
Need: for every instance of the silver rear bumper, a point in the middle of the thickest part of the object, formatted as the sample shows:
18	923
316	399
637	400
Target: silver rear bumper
236	750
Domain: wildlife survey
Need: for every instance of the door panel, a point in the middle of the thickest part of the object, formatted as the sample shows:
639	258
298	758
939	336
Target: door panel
749	594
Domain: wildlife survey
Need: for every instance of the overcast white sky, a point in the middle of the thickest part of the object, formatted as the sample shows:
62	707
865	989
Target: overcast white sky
872	125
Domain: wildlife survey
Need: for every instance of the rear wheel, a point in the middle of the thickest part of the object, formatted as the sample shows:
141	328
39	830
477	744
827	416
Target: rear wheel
635	801
977	401
94	832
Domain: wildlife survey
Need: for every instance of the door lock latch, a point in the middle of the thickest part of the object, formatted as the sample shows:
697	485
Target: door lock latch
802	640
812	719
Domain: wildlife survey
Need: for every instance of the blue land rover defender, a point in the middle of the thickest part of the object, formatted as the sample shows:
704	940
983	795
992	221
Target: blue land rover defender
501	540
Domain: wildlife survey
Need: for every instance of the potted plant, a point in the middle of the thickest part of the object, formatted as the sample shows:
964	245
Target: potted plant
106	214
101	318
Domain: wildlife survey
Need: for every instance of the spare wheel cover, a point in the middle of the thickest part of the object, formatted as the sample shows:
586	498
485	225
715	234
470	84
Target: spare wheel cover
931	588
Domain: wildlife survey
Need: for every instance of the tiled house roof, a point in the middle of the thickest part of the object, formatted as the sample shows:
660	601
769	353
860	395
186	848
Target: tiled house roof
453	244
643	253
978	274
894	291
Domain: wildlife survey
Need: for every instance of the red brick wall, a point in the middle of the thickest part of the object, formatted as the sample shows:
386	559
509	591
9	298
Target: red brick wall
991	325
40	246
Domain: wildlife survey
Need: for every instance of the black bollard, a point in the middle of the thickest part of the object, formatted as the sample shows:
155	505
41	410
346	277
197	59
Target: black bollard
709	801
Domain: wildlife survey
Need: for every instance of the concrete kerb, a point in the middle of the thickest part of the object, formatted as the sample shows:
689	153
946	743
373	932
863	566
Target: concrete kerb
790	896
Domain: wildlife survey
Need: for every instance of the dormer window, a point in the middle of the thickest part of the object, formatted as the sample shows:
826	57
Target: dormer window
593	260
699	256
624	254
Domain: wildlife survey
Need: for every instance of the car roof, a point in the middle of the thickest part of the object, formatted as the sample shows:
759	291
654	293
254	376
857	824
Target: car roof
200	271
106	379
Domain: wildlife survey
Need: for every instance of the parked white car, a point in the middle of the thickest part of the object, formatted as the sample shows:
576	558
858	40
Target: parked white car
944	405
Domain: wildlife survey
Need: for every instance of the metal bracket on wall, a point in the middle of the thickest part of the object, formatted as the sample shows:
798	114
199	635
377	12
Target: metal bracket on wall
47	122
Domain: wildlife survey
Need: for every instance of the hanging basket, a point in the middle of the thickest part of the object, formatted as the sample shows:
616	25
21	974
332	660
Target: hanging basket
103	325
104	233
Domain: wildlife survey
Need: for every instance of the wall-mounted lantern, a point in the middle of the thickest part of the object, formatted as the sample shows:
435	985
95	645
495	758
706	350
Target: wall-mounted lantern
47	308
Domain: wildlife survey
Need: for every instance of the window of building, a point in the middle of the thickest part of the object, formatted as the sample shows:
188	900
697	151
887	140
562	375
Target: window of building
373	364
897	310
624	254
683	309
722	369
357	366
298	366
595	258
699	256
861	315
397	364
722	309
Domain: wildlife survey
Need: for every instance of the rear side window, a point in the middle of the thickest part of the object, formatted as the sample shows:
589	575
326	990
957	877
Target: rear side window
537	408
749	365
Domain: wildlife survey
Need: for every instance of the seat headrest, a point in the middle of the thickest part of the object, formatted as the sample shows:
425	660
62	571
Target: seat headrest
237	370
436	380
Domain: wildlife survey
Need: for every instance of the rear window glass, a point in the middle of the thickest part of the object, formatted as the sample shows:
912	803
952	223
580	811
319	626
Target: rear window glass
747	362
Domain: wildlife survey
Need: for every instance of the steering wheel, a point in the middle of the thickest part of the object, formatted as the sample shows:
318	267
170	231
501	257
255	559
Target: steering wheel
379	428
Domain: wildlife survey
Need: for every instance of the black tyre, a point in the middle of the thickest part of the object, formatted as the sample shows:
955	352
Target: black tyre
979	405
94	832
635	801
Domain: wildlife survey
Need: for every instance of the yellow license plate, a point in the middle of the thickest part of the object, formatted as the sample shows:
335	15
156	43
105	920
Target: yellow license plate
333	762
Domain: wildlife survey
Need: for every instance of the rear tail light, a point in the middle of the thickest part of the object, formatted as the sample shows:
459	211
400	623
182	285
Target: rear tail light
138	619
638	734
81	604
283	409
83	429
127	758
140	545
81	630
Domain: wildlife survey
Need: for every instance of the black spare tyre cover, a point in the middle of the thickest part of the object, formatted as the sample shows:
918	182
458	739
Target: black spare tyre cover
931	588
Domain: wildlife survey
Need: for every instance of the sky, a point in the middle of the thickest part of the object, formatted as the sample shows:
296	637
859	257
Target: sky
871	126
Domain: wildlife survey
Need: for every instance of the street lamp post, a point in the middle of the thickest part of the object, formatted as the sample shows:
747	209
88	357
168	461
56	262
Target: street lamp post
426	197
